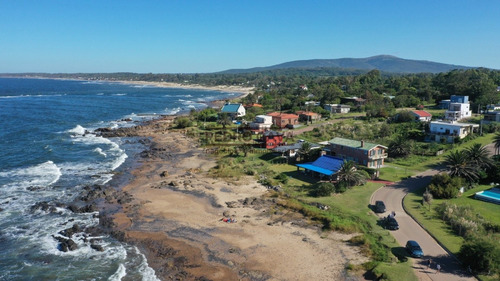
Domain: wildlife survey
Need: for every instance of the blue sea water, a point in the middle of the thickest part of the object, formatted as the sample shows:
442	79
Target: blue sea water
47	154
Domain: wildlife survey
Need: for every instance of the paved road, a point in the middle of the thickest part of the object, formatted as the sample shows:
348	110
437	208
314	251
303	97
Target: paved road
393	195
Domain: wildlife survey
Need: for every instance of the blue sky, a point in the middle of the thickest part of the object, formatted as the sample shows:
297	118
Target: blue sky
181	36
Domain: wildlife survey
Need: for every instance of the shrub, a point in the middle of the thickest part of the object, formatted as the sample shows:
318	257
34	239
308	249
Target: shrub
282	178
183	122
341	187
444	186
482	255
323	189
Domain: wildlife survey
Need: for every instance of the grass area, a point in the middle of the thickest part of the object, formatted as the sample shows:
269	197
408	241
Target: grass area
429	218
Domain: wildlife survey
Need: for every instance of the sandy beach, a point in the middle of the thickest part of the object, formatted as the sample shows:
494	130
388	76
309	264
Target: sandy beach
236	89
176	214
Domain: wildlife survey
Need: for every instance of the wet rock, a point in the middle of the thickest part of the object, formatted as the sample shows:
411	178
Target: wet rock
68	232
97	247
43	206
65	244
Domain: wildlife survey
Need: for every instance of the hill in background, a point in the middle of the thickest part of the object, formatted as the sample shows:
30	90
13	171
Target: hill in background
384	63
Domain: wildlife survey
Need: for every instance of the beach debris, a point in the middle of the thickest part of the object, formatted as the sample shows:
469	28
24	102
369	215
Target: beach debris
228	220
164	174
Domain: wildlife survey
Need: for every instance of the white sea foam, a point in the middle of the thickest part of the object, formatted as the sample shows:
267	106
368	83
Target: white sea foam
120	94
99	151
78	130
119	274
172	111
148	274
43	174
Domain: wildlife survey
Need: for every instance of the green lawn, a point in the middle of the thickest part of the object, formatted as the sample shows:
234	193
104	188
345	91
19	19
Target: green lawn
437	227
350	211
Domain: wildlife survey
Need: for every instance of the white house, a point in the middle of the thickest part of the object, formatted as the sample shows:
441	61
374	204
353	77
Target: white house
234	109
458	109
442	131
422	115
337	108
490	117
262	123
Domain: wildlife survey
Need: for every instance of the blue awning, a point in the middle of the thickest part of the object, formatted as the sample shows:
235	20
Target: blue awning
326	165
316	169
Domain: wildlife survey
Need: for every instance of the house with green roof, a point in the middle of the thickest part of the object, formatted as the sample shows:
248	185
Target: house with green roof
371	155
234	110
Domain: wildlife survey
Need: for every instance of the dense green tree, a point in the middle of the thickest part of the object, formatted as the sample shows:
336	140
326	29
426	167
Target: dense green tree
459	165
224	120
481	254
444	186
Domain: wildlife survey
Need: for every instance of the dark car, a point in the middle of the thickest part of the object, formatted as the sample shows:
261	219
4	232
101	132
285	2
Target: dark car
391	223
414	249
379	207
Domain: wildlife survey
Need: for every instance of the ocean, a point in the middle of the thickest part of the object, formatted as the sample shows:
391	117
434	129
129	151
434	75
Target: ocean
48	155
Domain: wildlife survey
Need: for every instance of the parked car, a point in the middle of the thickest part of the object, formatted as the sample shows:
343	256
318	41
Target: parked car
391	223
379	207
414	249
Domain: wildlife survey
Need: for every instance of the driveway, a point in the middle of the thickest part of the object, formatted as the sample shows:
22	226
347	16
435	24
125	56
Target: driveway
409	229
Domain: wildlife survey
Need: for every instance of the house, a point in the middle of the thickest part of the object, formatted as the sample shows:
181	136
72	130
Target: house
422	115
271	139
252	105
490	117
234	110
308	116
325	165
312	103
444	104
363	153
284	120
442	131
493	107
291	150
261	123
458	109
354	100
337	108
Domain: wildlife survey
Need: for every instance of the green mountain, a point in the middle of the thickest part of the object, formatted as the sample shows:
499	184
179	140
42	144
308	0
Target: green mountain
384	63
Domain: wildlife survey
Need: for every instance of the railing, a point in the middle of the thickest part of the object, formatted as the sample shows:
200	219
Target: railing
378	156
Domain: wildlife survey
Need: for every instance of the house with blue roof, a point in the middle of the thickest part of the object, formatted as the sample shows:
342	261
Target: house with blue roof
325	165
234	110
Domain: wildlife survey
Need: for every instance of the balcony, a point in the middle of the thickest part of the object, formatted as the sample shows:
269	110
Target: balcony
377	156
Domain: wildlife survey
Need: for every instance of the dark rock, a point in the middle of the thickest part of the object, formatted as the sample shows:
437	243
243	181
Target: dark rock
43	206
97	247
70	231
164	174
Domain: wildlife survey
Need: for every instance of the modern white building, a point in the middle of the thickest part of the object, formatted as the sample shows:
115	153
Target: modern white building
442	131
458	109
337	108
262	123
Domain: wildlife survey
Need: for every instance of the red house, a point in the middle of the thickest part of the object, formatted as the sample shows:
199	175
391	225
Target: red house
271	139
282	120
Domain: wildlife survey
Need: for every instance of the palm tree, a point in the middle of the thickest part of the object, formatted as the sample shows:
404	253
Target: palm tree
349	174
479	156
496	141
400	147
304	150
459	165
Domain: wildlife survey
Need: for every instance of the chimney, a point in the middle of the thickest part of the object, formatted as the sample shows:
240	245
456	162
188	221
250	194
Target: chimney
362	143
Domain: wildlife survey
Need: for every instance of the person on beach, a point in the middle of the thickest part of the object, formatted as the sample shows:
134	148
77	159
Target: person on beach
429	262
438	268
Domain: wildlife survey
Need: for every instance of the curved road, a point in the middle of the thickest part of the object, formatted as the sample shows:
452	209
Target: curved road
392	196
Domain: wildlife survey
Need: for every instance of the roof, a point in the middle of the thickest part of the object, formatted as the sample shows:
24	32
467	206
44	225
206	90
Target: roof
354	143
422	113
231	107
253	105
308	113
272	133
296	145
282	115
326	165
454	124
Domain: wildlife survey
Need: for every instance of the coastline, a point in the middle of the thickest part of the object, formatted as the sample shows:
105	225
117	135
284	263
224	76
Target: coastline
174	218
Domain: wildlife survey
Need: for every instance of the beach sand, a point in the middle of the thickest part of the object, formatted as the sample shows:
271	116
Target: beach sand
175	219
